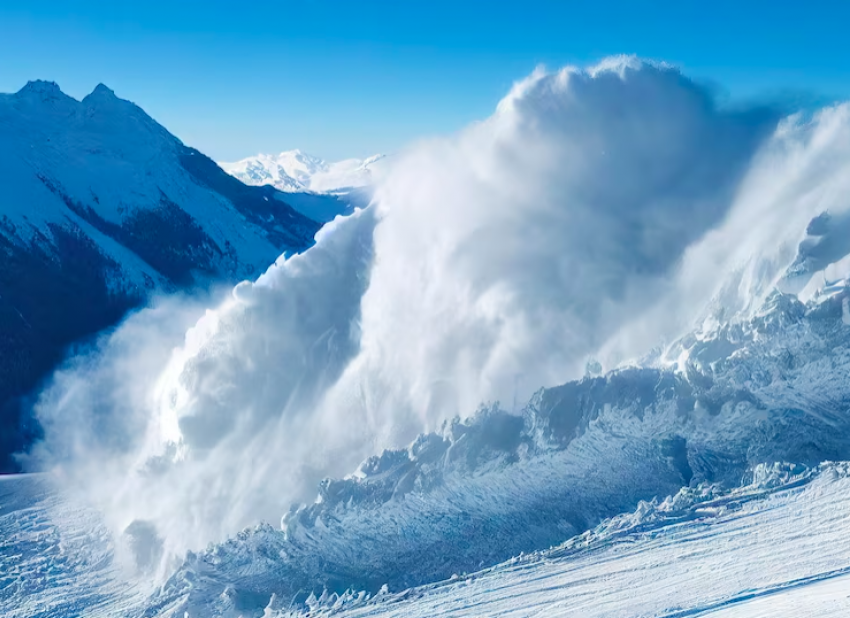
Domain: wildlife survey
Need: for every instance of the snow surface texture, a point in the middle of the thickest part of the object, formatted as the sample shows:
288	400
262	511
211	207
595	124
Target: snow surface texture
56	558
775	548
609	219
295	171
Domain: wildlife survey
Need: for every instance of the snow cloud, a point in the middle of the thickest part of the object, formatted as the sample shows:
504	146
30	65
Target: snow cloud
595	214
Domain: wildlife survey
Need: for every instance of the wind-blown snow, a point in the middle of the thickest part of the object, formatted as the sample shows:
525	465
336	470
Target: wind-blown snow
598	214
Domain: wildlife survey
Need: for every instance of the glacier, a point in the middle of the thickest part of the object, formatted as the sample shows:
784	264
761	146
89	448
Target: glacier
599	341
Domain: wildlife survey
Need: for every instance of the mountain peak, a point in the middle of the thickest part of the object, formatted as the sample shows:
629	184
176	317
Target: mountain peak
373	159
102	91
42	88
102	95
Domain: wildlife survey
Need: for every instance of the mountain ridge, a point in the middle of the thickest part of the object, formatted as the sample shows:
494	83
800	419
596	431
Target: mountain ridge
294	170
103	207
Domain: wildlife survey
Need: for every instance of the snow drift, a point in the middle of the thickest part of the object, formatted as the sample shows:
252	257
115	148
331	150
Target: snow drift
598	215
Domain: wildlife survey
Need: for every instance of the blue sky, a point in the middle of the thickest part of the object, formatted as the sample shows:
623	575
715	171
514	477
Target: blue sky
350	78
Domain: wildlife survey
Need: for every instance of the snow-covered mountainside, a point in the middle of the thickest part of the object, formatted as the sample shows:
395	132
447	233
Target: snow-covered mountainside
294	171
100	207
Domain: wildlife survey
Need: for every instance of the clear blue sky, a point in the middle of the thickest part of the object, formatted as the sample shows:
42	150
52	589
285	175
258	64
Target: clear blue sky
352	77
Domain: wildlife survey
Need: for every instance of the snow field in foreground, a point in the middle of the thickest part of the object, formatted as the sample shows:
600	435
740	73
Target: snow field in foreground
762	555
753	553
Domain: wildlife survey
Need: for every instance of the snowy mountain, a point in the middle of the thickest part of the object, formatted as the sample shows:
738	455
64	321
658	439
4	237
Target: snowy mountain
99	208
294	171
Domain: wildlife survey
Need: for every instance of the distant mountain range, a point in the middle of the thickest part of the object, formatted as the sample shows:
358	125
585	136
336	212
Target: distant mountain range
99	207
294	171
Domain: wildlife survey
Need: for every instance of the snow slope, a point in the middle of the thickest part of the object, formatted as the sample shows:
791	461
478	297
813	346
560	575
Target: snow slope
56	557
99	208
775	548
294	171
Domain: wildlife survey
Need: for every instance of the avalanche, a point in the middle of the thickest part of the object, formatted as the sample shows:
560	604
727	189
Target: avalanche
616	218
496	485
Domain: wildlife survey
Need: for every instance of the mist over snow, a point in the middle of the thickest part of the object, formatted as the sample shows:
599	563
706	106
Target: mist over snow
597	214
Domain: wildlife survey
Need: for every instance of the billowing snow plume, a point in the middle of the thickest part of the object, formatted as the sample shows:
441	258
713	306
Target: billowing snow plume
596	214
